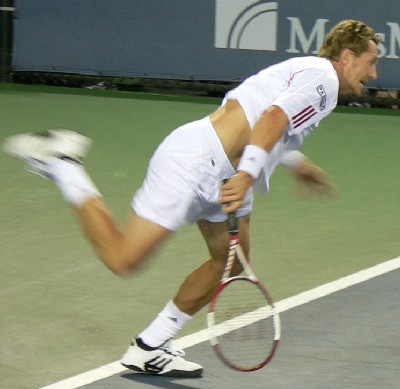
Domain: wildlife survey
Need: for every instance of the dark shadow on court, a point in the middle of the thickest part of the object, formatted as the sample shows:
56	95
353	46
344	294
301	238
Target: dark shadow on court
161	382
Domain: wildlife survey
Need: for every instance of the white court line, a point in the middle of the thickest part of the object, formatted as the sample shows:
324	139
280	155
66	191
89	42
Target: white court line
202	336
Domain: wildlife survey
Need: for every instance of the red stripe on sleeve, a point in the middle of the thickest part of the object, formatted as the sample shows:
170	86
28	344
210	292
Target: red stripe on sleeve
303	116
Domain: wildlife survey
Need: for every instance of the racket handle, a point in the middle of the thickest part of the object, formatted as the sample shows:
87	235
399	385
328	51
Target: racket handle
233	223
233	227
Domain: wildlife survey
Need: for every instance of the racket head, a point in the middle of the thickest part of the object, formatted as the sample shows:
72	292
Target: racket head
243	324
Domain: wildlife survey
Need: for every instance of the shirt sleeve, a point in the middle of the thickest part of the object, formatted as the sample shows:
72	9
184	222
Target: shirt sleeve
310	96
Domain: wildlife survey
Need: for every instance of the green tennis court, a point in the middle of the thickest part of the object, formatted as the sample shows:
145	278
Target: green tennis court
62	312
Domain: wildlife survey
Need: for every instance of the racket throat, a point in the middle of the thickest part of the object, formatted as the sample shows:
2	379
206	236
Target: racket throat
231	258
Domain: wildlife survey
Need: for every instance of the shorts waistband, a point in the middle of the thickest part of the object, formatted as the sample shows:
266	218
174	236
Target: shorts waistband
216	145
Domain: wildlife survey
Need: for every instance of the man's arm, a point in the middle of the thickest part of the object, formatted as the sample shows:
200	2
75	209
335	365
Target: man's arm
266	132
314	179
311	176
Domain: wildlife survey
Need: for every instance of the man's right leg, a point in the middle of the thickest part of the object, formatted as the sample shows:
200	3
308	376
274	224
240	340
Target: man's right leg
121	249
57	156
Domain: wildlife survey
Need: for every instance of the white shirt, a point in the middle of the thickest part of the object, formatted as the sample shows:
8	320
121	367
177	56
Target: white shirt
305	88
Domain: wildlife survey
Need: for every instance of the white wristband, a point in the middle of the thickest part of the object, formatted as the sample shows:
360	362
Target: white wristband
253	160
292	159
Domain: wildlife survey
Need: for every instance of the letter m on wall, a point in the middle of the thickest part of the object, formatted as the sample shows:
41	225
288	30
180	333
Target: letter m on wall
297	35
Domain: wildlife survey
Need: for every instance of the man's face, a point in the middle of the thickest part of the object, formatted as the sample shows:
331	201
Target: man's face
357	71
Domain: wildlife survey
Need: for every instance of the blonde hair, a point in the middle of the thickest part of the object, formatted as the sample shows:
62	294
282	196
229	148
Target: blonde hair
348	34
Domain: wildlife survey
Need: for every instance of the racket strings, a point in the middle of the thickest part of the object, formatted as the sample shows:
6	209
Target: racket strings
244	325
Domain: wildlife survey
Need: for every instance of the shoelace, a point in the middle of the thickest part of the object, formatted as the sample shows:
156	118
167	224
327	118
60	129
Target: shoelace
168	348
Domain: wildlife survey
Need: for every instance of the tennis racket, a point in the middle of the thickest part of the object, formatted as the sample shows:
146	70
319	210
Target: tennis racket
243	324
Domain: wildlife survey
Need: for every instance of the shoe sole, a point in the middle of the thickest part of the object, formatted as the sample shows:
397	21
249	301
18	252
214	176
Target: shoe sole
170	373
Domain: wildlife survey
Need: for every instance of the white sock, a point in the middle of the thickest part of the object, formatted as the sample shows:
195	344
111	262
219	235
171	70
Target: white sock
165	326
74	183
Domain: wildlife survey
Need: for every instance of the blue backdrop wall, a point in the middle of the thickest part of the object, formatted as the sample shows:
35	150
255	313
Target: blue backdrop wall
224	40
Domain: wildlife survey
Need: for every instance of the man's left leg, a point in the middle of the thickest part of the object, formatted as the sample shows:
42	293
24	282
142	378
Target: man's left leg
195	292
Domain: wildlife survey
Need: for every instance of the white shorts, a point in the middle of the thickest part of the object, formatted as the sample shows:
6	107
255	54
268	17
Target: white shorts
183	179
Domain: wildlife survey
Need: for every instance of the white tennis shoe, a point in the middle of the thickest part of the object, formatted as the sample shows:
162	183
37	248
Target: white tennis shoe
164	360
37	150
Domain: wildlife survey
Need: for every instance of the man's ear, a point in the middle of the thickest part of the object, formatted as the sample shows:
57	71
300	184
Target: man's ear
345	56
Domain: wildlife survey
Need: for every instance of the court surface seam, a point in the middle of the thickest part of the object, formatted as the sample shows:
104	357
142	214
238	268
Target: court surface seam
201	336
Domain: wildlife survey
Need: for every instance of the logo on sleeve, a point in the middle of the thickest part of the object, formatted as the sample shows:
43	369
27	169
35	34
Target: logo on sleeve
322	93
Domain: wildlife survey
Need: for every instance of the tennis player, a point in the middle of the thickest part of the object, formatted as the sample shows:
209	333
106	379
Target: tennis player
260	124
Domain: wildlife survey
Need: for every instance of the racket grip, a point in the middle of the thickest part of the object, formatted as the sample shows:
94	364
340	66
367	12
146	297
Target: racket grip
233	227
233	223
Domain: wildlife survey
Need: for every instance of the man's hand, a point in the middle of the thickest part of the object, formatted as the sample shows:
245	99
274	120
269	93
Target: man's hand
314	179
232	193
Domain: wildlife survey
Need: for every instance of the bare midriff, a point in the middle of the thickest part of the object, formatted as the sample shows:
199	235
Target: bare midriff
232	128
